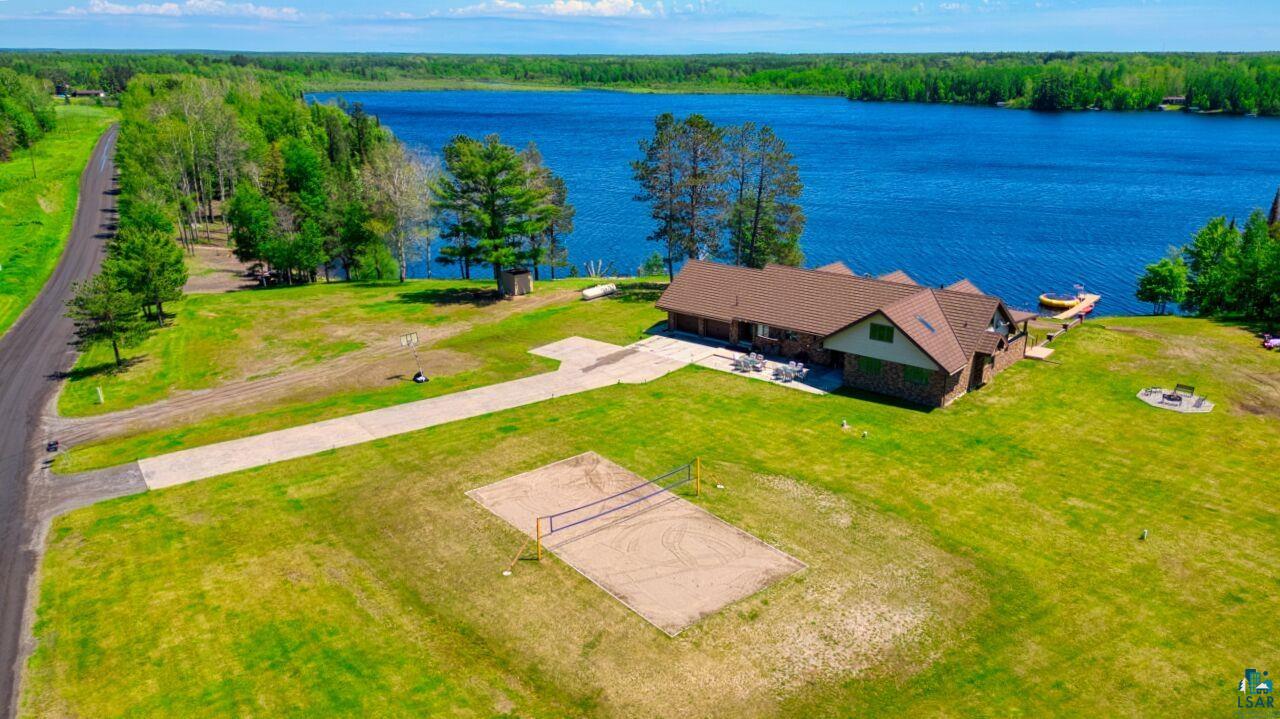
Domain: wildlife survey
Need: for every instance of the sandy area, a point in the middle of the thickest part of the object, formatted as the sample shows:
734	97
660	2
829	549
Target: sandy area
668	560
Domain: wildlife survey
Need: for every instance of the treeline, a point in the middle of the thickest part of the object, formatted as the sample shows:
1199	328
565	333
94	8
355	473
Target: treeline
297	188
26	111
1216	82
725	192
1224	271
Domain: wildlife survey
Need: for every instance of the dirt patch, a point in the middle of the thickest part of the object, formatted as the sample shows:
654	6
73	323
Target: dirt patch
215	269
363	369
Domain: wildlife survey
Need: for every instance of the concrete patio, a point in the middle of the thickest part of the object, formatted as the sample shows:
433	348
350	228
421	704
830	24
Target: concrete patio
716	355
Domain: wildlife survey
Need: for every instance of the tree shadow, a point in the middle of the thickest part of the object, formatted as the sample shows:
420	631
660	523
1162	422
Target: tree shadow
452	296
1257	327
646	292
102	368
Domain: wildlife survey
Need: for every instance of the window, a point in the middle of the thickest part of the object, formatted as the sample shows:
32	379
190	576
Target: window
916	375
881	333
869	365
762	331
790	336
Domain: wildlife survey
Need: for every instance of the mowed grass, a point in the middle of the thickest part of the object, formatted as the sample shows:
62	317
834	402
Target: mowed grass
982	560
36	213
216	338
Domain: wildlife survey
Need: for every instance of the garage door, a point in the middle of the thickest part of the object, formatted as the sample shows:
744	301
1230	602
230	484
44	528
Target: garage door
717	329
687	323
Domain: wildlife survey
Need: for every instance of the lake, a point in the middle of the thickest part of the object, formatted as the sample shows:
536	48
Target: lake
1019	202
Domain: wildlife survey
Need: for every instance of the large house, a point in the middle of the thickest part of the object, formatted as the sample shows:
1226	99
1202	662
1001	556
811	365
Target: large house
888	334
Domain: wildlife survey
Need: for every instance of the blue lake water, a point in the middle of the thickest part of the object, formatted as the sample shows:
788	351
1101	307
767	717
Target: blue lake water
1019	202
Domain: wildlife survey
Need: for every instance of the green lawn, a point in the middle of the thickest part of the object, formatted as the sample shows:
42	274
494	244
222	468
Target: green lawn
468	340
36	213
982	560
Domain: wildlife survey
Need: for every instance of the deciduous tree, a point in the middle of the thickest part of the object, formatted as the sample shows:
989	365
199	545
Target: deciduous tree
1162	283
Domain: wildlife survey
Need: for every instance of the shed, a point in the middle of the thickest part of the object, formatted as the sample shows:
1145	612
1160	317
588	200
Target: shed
516	281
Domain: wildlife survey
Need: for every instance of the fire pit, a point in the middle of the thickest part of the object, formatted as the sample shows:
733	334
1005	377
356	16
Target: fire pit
1181	399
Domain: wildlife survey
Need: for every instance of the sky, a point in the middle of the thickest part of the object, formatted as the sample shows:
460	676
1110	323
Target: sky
642	26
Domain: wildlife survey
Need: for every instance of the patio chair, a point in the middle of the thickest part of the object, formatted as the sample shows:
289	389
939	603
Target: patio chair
1198	403
1184	390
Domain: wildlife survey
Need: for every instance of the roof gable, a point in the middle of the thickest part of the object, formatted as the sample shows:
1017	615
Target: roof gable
898	276
837	267
964	285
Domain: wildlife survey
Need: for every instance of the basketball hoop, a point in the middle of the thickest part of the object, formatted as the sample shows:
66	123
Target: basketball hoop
410	340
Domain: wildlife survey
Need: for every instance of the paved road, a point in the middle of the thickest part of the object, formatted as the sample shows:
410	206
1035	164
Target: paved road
32	354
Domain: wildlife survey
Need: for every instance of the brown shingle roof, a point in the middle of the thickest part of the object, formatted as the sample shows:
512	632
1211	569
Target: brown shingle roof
837	267
921	318
898	276
946	324
964	286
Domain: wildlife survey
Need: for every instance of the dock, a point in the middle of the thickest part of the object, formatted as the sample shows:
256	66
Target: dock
1087	301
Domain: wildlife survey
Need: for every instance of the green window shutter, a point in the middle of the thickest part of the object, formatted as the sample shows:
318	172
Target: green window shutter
881	333
916	375
869	365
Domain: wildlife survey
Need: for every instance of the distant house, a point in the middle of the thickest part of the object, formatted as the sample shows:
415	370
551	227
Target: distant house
88	93
888	334
1173	100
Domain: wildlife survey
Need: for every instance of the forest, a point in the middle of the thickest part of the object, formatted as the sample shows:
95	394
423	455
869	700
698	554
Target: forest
1234	83
26	111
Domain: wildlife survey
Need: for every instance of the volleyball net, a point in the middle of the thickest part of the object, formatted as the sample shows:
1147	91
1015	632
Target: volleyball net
686	478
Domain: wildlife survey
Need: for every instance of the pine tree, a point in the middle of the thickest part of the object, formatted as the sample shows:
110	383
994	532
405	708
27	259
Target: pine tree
764	219
487	197
103	310
148	264
700	202
658	174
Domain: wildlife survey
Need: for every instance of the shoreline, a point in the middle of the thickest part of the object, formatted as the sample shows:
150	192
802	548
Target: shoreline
451	85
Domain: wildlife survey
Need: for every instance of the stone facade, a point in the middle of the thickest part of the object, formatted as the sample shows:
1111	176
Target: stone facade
1014	351
942	389
793	345
938	392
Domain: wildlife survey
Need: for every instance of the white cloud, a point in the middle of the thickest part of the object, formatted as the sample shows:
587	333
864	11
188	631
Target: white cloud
188	8
599	8
565	8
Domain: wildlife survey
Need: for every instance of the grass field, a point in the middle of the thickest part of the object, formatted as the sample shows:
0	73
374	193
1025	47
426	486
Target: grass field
340	343
36	213
982	560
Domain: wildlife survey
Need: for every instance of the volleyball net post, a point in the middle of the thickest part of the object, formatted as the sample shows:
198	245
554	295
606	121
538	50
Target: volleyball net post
538	531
